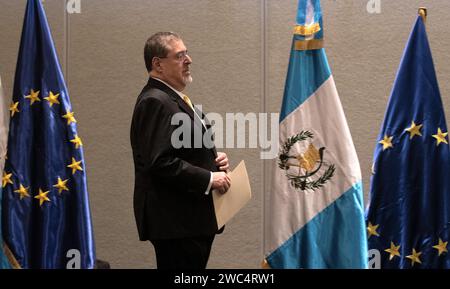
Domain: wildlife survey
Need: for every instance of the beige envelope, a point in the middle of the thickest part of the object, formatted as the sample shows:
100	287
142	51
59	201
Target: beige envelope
227	205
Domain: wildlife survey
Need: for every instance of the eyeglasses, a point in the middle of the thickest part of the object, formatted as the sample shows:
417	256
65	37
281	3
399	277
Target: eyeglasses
180	56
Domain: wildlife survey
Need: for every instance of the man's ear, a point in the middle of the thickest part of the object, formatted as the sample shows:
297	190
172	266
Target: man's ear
156	64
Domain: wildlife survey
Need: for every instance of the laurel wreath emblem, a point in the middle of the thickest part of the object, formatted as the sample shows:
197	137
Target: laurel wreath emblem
299	181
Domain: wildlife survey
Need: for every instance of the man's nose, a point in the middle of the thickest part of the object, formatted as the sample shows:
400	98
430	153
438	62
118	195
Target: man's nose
188	59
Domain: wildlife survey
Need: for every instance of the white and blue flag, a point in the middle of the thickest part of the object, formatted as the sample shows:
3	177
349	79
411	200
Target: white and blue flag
4	124
315	214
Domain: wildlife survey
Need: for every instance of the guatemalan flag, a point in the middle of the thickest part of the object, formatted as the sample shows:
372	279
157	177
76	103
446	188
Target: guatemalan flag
315	216
4	123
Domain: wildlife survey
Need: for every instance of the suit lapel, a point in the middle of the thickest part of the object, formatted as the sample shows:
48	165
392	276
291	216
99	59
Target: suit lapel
173	95
184	107
207	126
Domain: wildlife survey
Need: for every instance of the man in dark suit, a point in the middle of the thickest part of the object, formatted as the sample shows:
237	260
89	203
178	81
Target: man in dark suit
173	203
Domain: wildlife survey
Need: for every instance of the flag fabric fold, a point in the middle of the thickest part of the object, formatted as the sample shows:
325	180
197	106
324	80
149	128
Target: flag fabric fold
315	212
408	217
45	207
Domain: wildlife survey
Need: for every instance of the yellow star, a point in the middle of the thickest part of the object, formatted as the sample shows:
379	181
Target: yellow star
415	257
75	166
6	179
69	117
22	191
61	185
33	96
440	136
386	142
52	99
393	251
372	230
441	247
414	130
42	197
76	141
13	108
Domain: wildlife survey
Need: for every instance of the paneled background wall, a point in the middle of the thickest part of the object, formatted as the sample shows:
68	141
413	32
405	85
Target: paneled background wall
240	50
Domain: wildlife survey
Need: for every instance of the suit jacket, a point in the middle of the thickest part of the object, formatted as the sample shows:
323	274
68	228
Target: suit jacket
170	184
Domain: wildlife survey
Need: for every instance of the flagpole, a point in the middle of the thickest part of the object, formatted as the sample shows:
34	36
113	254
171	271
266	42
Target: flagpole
423	12
264	90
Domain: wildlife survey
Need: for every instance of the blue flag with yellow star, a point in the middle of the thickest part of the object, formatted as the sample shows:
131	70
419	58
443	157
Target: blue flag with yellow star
45	207
408	218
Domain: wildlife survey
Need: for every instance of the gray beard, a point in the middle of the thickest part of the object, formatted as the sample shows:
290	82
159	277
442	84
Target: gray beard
188	79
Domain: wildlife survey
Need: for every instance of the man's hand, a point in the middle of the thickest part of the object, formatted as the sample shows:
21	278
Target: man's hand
222	161
221	182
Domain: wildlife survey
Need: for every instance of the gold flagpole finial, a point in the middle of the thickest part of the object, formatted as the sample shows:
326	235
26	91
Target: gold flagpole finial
265	265
423	13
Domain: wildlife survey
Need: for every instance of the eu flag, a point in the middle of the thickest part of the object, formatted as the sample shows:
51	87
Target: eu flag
45	208
408	219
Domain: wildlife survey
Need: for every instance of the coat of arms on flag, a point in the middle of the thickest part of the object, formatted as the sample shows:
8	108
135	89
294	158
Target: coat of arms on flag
307	170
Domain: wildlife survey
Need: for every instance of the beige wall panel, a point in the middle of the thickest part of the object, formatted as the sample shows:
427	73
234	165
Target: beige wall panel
107	73
11	21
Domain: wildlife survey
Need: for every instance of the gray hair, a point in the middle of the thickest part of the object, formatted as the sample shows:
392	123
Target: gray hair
157	46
